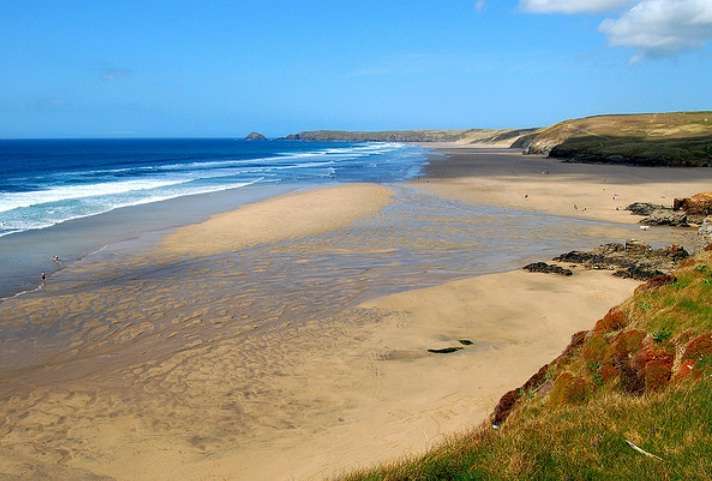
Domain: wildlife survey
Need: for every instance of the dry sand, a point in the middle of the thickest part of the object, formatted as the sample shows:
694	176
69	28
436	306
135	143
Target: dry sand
509	179
285	217
388	397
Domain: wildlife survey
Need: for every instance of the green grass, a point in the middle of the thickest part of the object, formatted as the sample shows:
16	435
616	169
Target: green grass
579	443
542	441
642	151
670	139
683	305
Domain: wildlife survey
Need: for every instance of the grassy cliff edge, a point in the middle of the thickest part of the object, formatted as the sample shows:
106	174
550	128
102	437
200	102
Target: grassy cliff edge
682	139
630	399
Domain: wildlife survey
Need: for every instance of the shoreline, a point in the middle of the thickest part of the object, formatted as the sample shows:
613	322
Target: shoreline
212	361
78	239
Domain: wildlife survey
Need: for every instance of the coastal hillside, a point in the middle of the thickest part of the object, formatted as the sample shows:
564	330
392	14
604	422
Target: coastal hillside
667	139
501	137
630	399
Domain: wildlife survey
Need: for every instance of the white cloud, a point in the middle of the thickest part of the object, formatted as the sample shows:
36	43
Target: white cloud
653	28
571	6
661	27
480	5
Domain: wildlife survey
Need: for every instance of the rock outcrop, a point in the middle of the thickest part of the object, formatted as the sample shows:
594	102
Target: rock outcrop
696	208
544	268
632	260
254	136
644	208
698	204
704	235
667	217
657	215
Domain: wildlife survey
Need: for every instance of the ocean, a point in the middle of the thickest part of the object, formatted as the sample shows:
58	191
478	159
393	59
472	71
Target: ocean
47	182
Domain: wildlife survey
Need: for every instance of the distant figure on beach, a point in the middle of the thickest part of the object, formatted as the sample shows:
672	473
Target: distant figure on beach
56	259
43	277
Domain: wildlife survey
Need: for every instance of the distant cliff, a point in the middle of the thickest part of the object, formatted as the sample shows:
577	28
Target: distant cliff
503	137
669	139
382	136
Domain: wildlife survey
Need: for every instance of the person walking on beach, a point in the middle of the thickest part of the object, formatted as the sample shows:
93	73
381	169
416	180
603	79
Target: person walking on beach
43	277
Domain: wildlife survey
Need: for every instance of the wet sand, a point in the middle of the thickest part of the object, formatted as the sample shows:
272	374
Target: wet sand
23	256
530	182
303	353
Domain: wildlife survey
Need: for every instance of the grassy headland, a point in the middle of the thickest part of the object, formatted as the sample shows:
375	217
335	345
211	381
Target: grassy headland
680	139
630	399
668	139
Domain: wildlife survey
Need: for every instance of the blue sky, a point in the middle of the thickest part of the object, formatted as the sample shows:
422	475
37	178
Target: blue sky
219	68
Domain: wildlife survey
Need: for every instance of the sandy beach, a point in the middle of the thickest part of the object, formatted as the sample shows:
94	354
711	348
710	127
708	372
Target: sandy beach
284	217
532	182
288	339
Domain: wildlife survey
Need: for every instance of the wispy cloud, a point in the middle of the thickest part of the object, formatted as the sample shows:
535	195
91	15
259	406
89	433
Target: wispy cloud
571	6
653	28
480	6
111	74
47	104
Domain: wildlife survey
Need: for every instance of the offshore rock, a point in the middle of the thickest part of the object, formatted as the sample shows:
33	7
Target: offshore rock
253	136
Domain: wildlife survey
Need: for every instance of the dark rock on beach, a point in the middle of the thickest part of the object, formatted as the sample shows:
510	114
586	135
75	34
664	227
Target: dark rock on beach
447	350
667	217
644	208
638	273
657	215
691	210
633	259
544	268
